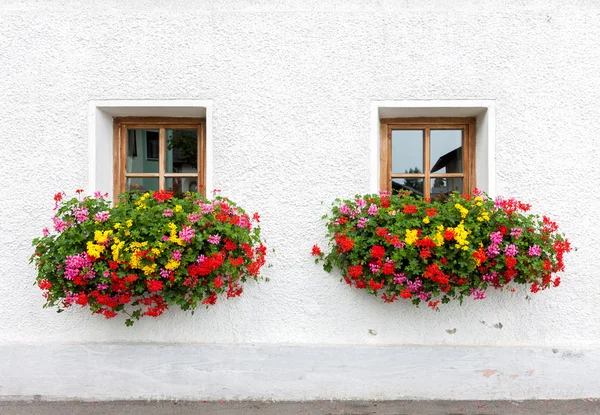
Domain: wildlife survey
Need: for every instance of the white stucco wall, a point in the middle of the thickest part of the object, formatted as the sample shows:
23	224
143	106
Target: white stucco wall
292	88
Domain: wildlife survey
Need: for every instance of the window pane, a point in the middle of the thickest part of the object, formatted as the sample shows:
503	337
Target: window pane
142	184
182	151
413	185
142	151
445	185
182	184
446	151
407	151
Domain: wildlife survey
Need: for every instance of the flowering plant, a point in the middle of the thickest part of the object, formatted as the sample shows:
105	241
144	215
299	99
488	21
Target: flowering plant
402	246
147	253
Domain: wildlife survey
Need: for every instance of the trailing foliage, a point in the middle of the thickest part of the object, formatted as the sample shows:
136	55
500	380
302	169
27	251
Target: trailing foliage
402	246
147	253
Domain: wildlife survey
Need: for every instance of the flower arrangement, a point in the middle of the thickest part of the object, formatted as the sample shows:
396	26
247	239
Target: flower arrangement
147	253
403	246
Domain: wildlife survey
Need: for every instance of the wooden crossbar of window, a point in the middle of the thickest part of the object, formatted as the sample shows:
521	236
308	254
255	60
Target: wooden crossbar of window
122	125
426	125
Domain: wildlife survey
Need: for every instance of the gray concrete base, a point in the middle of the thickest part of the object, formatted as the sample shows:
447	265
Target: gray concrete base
571	407
198	372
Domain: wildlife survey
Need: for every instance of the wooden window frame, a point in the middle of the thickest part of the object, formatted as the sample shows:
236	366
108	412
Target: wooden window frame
120	127
468	125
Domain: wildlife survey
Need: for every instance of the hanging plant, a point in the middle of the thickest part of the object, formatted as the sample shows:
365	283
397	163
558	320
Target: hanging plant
406	247
149	252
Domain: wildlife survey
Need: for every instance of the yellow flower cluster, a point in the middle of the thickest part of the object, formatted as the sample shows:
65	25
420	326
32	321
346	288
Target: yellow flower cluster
116	248
438	238
463	211
426	219
102	236
460	236
411	236
173	234
134	248
140	204
95	250
172	264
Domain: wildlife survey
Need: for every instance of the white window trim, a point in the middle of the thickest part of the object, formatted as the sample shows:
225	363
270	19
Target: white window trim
483	110
100	125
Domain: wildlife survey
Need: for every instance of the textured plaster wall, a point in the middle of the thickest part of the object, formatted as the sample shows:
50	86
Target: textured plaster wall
291	87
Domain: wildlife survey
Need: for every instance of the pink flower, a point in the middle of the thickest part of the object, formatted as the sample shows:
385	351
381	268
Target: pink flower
499	202
194	217
477	294
59	224
496	238
361	203
534	250
168	213
102	286
385	193
362	222
374	268
372	209
516	232
201	259
102	216
207	207
214	239
176	255
511	250
164	273
424	296
493	251
399	278
99	195
81	214
345	210
187	233
45	232
477	192
165	238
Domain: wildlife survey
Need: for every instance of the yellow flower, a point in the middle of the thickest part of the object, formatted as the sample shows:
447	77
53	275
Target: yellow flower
411	236
102	236
463	211
129	223
438	238
116	249
178	208
117	225
172	264
426	219
95	250
149	269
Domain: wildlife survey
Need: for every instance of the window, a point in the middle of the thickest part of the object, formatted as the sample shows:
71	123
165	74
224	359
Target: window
427	156
153	153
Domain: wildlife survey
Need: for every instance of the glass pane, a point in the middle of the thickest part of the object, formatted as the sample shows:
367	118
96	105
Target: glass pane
407	151
413	185
445	185
142	184
182	184
182	151
142	151
446	151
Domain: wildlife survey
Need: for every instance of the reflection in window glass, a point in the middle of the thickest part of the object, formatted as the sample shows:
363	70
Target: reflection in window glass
413	185
182	151
142	184
142	151
445	185
407	151
446	151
